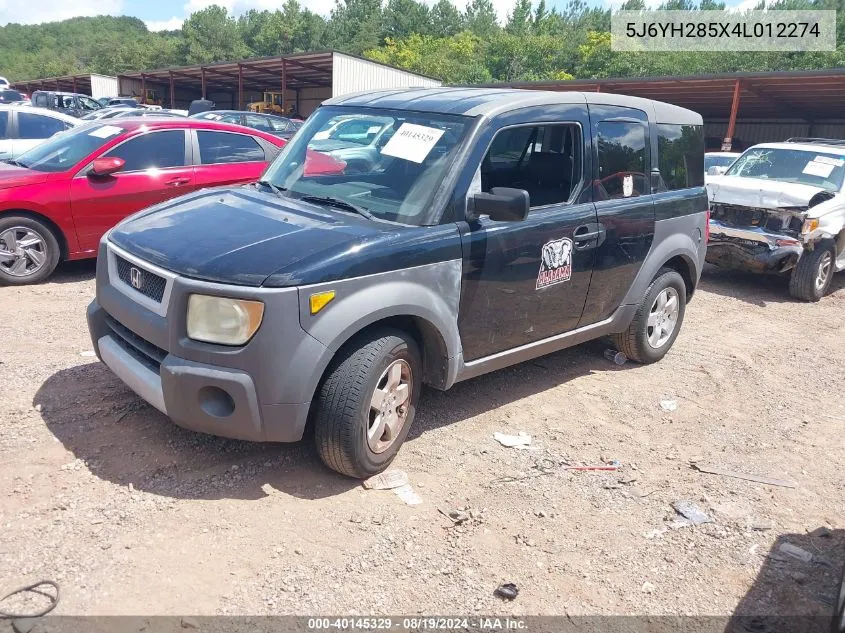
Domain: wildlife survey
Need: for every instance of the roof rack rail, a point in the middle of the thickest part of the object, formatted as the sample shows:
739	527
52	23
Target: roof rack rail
836	142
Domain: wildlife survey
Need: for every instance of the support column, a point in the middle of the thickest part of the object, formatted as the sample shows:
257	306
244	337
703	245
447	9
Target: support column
73	82
143	88
202	72
728	140
172	93
284	87
240	87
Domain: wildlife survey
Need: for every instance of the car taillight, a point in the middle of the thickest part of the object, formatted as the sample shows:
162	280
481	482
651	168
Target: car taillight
707	227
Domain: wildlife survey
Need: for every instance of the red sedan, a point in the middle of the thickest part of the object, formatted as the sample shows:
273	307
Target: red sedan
58	199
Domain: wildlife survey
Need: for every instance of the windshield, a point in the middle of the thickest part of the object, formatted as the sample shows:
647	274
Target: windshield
392	176
816	169
64	150
717	160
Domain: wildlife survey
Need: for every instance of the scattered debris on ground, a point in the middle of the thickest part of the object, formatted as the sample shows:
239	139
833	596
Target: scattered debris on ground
197	537
713	470
615	356
387	480
691	512
523	440
407	494
669	405
507	591
796	552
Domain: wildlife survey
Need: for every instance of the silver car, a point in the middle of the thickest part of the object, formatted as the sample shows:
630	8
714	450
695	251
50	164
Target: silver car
22	128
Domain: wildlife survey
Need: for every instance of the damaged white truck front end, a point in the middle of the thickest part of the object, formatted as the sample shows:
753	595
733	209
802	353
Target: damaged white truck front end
781	209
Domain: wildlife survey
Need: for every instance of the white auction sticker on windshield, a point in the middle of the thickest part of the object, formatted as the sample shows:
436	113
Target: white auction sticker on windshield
106	131
827	160
815	168
412	142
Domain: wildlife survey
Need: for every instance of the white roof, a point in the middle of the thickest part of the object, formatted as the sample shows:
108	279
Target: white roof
806	147
43	112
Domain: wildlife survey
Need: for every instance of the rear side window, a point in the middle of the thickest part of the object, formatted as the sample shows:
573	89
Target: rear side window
279	125
680	156
4	123
37	126
225	147
158	150
41	100
258	122
622	160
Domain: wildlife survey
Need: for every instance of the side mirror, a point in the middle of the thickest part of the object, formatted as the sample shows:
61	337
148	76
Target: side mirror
716	170
502	204
106	166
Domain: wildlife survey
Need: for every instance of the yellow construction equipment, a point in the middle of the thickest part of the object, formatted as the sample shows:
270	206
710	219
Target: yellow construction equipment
153	98
273	103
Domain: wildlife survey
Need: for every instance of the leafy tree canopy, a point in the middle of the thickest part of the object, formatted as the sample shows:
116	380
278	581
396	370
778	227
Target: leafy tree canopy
458	45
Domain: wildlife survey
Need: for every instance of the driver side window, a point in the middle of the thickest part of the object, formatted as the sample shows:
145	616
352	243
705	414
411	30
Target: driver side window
544	160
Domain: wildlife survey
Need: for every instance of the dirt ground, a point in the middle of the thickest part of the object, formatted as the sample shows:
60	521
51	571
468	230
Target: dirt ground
133	515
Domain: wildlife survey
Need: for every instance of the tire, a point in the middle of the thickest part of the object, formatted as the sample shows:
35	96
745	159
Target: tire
837	624
39	261
811	277
640	342
344	416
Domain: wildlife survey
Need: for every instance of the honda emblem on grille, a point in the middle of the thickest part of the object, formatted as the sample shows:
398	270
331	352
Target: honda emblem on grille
135	278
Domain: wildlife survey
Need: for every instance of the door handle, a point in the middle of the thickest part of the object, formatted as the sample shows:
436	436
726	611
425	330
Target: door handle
177	182
588	236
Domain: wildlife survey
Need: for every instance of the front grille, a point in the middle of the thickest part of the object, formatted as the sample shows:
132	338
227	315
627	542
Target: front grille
742	216
147	352
147	283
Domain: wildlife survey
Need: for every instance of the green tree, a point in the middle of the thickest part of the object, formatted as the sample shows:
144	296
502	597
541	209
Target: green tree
481	18
446	20
520	19
355	25
404	17
211	35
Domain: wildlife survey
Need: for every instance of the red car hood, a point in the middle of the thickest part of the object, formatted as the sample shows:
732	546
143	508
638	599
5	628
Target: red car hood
11	176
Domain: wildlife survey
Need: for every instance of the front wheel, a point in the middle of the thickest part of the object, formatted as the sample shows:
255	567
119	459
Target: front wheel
29	252
367	402
813	273
657	321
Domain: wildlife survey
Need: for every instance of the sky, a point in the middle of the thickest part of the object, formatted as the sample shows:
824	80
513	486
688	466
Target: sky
169	14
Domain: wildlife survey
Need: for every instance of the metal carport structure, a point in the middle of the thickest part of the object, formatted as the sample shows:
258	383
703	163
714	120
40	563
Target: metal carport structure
305	79
749	107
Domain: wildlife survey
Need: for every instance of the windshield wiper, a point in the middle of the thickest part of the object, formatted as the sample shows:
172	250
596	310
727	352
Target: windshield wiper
340	204
14	162
277	190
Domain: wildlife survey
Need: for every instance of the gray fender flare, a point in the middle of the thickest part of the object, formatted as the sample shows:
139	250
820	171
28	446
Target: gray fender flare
672	238
429	293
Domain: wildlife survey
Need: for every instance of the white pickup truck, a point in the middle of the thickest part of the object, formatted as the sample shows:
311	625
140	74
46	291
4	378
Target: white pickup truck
780	208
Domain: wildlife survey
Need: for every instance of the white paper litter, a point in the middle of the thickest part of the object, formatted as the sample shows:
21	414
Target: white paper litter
408	495
523	440
412	142
668	405
387	480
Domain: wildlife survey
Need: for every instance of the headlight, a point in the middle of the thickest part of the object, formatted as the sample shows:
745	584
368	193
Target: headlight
809	226
223	320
